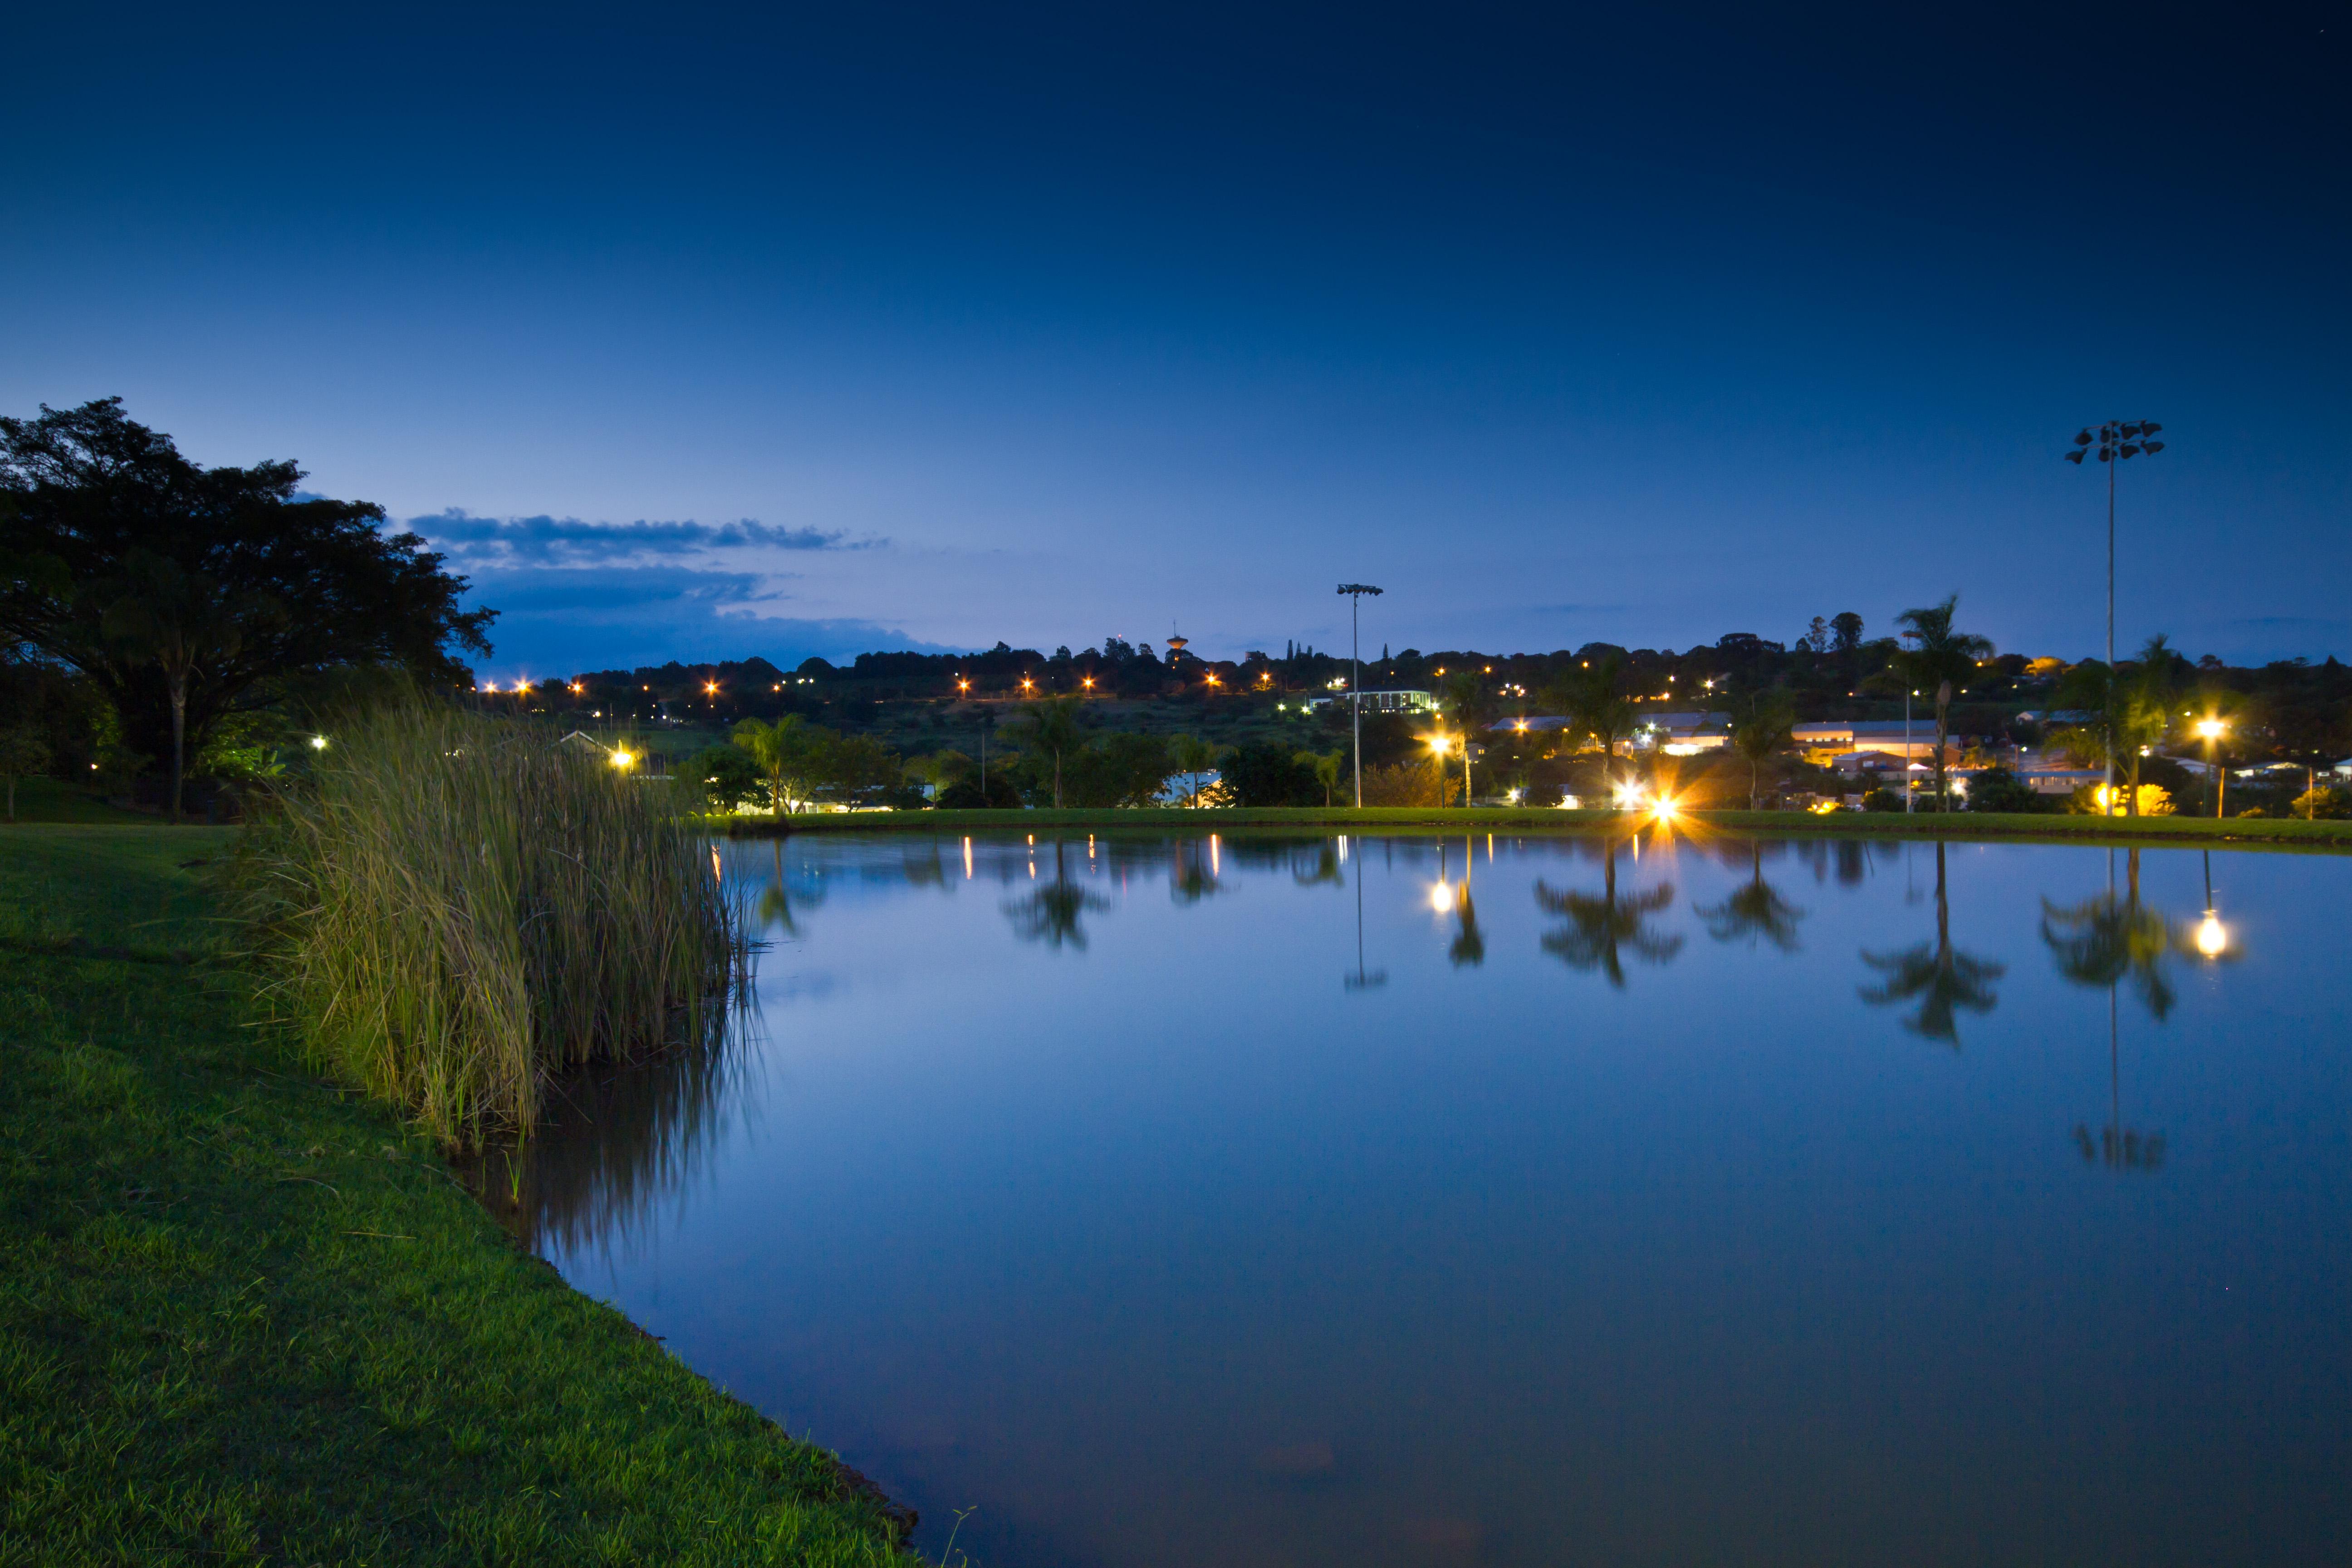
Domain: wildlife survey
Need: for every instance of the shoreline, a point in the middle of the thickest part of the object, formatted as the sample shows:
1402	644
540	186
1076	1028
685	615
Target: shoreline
255	1317
2163	832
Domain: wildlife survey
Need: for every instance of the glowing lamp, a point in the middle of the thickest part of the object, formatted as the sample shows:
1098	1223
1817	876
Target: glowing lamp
2212	936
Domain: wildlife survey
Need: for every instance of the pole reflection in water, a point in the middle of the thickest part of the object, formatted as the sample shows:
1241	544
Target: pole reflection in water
1097	1214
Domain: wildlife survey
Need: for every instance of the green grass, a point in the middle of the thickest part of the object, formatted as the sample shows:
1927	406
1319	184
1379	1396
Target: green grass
2240	831
47	800
245	1318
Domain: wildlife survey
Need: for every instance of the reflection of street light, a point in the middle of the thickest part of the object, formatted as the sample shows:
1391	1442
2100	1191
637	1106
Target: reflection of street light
1441	898
2212	936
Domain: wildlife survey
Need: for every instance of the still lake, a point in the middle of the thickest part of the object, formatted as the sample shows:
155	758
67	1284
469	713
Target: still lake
1218	1201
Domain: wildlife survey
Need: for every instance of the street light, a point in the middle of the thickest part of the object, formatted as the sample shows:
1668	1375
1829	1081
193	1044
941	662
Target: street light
1355	592
2211	730
2117	440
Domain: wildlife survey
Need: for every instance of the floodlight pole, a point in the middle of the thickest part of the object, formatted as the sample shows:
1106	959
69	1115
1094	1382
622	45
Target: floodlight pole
2117	440
1355	592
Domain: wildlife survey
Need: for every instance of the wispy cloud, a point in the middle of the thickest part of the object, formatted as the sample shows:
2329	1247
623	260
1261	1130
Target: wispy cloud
567	540
578	618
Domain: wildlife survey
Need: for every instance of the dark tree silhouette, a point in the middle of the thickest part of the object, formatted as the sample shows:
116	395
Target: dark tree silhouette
1943	981
1600	931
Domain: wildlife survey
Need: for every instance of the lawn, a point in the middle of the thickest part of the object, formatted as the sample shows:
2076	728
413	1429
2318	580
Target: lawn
245	1318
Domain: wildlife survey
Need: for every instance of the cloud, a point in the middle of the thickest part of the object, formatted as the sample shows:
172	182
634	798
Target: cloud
567	541
559	621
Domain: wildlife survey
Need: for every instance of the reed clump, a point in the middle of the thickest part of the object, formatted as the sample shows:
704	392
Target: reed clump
452	910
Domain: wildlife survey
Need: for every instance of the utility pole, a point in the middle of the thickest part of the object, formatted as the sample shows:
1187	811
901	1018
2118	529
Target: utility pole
1355	592
2117	440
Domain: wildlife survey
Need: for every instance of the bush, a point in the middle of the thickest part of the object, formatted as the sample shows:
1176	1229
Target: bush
1882	799
2324	802
1410	784
1268	773
966	794
450	910
1997	789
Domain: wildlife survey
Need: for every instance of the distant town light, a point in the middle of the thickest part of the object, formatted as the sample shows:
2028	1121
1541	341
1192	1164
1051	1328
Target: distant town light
318	743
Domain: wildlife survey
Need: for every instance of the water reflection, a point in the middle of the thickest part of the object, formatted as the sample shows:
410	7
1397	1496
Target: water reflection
1600	931
1755	912
776	906
1943	981
1051	913
1163	1253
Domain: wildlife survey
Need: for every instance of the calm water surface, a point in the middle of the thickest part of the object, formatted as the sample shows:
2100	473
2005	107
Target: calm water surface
1297	1202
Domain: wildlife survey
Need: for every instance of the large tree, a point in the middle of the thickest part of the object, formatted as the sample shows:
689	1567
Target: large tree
90	500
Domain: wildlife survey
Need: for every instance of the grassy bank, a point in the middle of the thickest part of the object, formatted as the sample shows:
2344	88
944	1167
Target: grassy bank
2189	830
247	1318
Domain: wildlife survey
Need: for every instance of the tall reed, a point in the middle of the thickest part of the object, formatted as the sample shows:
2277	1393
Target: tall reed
453	908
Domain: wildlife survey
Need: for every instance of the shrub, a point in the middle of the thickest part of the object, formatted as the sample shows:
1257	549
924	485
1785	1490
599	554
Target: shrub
1882	799
1997	789
1410	784
450	910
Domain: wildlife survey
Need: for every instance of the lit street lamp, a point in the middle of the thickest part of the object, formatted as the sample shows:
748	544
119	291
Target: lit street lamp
2211	730
2116	440
1355	592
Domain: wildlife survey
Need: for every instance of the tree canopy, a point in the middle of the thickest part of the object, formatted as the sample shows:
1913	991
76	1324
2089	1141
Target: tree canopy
88	495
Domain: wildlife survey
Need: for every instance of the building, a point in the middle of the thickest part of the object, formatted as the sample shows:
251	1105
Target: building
1826	741
1384	701
1682	734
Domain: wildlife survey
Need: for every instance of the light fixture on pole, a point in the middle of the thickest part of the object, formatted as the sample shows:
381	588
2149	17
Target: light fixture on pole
2211	730
2115	441
1355	592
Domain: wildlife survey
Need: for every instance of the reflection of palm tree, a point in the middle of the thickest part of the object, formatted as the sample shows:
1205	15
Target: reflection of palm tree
1190	878
2104	940
1940	977
776	905
1600	930
1755	911
1327	869
1469	949
1050	914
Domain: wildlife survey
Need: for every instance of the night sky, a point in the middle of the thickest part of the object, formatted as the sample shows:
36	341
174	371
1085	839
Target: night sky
698	335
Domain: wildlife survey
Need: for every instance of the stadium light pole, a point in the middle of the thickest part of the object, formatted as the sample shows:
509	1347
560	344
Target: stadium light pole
2116	440
1355	592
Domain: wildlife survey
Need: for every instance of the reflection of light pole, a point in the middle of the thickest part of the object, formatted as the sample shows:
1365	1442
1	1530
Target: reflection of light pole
1907	695
1355	592
2117	440
1360	981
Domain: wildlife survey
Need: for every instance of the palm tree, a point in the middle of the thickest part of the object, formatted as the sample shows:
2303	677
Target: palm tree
179	621
1327	769
790	754
1192	756
1593	707
1755	911
1600	930
1054	727
2142	710
1770	725
1939	656
1942	979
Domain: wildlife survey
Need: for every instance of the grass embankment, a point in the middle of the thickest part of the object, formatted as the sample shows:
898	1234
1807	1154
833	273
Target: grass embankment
2192	830
245	1318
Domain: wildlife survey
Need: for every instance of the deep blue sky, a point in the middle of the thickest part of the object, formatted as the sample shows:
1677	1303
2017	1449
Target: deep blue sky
1049	324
